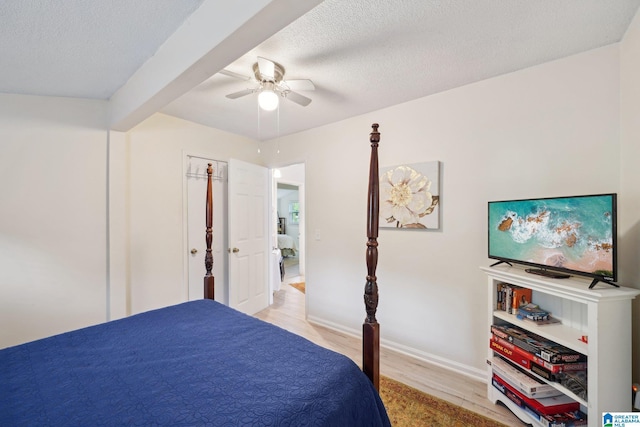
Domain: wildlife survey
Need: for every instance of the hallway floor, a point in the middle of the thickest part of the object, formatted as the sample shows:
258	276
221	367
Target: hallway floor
292	271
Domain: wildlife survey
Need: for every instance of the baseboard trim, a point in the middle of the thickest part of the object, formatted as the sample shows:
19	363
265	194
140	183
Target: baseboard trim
459	368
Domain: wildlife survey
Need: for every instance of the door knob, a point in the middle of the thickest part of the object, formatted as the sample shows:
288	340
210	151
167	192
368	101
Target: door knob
194	251
234	250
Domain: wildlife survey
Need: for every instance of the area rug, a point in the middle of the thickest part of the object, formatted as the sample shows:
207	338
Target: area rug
410	407
299	286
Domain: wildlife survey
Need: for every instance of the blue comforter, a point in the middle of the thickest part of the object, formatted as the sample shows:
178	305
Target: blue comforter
197	363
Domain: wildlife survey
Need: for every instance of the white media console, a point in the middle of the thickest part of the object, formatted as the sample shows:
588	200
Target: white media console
594	322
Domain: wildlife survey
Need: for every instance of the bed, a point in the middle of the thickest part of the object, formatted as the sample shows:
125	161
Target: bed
287	245
196	363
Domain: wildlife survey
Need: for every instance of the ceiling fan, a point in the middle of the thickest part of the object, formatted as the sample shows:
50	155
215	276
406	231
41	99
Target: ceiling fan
268	76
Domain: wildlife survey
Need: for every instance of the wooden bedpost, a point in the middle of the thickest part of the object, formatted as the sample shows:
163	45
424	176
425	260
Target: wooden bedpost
208	258
371	327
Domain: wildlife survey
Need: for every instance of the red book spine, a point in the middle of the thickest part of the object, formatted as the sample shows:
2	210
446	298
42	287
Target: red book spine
554	368
537	406
510	352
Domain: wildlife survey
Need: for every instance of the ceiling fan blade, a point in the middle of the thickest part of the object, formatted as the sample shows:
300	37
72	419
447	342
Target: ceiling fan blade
298	99
304	84
234	75
267	69
240	93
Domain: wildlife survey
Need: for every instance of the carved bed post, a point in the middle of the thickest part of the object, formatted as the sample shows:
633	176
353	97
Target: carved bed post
208	258
371	328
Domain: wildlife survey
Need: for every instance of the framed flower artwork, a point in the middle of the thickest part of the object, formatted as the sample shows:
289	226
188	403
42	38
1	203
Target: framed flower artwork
410	196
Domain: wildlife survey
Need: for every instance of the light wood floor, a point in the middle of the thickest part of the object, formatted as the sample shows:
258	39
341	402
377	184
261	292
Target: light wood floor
288	312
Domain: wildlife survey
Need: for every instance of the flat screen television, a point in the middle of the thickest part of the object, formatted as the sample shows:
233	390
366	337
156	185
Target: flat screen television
557	236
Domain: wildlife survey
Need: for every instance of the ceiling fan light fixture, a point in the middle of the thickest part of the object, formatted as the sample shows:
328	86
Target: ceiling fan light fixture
268	100
271	86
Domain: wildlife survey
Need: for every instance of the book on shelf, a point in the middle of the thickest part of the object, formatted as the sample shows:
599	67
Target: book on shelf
522	381
544	373
510	297
571	418
544	406
565	419
515	355
576	382
517	300
520	296
503	297
543	348
510	349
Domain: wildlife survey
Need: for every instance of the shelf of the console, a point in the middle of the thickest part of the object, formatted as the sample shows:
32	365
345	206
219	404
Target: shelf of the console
558	333
519	412
576	289
558	387
555	385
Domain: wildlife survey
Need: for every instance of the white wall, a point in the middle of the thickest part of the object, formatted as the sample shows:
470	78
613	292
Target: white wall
56	273
155	250
550	130
629	229
52	216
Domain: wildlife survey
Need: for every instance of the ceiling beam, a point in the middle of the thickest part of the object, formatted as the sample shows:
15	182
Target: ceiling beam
214	36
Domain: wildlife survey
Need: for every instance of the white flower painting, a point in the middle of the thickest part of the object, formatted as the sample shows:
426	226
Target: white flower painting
409	196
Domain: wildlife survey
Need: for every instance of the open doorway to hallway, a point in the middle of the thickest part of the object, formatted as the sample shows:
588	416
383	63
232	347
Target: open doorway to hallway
290	224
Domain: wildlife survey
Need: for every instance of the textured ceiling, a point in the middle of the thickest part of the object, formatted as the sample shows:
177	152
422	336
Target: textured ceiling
81	48
362	55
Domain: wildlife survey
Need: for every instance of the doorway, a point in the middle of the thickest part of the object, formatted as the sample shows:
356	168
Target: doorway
290	223
240	244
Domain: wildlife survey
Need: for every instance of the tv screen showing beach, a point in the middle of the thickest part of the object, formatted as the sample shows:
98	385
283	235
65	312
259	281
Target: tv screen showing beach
570	233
